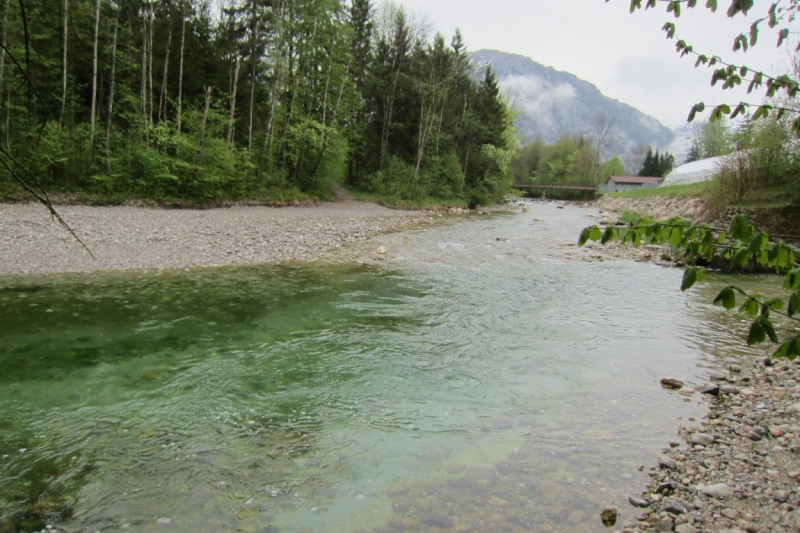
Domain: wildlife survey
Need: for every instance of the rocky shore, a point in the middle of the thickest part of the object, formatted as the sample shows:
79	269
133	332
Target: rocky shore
123	238
737	471
658	207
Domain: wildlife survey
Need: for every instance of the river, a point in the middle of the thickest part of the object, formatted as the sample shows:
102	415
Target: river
482	378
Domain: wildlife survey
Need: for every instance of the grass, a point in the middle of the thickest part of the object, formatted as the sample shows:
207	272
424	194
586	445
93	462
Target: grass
10	192
400	203
693	190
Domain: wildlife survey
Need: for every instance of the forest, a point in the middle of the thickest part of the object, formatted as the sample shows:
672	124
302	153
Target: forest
245	99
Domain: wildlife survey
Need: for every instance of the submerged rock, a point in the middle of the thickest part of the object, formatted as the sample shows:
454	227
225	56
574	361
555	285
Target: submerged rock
609	516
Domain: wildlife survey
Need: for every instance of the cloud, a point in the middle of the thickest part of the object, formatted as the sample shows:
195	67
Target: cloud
536	98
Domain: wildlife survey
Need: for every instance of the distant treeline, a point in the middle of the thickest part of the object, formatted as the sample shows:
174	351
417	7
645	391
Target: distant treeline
265	98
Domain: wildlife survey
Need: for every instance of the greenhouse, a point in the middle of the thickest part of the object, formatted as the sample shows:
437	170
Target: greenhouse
696	171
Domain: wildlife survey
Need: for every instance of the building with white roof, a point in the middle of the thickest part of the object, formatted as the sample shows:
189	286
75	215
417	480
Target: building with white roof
694	172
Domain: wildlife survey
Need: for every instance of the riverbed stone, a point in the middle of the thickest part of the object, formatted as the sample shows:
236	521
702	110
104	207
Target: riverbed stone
666	462
674	506
638	502
609	516
702	439
717	490
671	383
710	388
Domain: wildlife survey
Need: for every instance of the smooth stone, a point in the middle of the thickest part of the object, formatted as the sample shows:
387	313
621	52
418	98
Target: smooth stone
381	250
674	506
665	525
703	439
733	514
780	496
685	528
666	462
711	388
729	389
736	369
638	502
718	490
671	383
164	520
754	436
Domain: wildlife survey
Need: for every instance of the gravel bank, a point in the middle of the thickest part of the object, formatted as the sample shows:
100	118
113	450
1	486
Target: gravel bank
739	470
123	238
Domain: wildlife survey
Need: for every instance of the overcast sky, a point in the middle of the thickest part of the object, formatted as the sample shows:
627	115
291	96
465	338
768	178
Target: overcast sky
626	55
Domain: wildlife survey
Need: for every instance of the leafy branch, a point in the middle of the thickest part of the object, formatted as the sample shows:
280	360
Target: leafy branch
782	11
742	245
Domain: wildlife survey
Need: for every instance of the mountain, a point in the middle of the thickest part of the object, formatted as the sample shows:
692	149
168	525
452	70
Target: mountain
554	103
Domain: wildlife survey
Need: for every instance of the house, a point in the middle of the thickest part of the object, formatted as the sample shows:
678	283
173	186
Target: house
626	183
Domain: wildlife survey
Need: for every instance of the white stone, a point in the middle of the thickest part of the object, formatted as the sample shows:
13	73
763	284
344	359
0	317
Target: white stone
718	490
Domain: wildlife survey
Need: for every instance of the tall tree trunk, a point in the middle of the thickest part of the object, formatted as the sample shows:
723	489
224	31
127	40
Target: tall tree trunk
233	99
254	35
111	91
150	64
387	120
328	132
143	95
94	72
162	98
180	66
202	134
267	148
4	38
63	61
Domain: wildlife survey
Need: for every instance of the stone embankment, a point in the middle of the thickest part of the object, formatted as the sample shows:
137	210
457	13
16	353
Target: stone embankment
739	470
658	207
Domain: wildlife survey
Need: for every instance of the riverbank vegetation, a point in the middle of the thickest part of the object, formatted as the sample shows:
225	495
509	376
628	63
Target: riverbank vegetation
186	101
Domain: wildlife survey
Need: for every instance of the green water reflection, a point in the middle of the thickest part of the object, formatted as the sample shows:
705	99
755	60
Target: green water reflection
486	393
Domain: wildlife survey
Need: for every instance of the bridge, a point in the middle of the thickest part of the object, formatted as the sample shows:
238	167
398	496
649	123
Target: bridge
545	188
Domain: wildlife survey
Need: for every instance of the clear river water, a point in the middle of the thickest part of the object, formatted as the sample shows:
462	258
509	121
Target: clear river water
482	378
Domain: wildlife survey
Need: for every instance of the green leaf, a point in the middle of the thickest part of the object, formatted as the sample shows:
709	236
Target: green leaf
761	112
740	258
794	304
689	278
675	238
750	307
741	228
740	43
768	328
583	237
789	349
757	333
726	298
595	234
792	280
753	34
608	235
712	5
782	36
776	304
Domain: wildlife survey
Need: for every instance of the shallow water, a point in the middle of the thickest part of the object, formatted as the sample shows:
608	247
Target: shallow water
466	384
